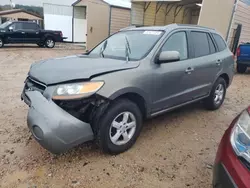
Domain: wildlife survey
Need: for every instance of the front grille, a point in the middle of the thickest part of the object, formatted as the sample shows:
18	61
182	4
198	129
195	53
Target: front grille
32	85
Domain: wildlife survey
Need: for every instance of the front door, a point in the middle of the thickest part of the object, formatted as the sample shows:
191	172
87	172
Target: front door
170	79
15	34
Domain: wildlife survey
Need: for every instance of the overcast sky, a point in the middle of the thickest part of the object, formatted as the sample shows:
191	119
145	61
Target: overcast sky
37	2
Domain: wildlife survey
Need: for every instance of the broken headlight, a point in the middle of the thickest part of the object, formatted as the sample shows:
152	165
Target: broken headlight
76	90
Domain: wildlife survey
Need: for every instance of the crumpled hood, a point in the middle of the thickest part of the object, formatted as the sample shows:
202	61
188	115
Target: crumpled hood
53	71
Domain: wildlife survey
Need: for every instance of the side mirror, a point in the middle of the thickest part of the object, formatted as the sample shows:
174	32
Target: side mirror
11	28
168	56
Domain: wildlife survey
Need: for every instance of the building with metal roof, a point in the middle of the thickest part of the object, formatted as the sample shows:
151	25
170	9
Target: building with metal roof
88	21
18	15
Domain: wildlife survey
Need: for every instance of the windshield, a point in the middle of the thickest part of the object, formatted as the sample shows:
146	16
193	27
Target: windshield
135	44
4	25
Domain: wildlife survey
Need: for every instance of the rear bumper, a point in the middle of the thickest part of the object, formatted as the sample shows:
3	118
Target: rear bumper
55	129
241	62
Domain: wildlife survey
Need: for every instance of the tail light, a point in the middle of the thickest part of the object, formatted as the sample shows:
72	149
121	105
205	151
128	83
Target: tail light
238	51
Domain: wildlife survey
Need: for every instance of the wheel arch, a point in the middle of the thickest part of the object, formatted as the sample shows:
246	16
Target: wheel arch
48	36
137	96
226	78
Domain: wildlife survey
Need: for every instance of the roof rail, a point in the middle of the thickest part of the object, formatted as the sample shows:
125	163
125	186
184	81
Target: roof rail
130	27
193	25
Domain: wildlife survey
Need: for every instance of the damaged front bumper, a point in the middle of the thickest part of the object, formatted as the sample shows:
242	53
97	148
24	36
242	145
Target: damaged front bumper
55	129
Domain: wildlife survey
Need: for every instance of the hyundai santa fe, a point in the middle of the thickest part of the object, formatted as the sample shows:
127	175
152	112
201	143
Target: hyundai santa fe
135	74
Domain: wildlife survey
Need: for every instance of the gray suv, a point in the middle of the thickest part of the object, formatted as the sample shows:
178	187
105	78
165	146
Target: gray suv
135	74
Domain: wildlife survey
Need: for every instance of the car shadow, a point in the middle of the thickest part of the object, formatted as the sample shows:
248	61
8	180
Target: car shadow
20	46
246	73
90	149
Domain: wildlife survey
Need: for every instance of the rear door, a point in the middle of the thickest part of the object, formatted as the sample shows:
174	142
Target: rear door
32	32
205	64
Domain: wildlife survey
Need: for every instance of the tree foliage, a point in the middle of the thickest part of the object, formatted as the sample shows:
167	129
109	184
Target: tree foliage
33	9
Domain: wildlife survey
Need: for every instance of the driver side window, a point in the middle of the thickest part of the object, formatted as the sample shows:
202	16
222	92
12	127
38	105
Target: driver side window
177	42
17	26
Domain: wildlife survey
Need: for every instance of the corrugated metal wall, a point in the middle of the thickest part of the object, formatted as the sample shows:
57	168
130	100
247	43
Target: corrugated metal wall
137	11
120	18
149	15
155	14
160	16
58	9
242	16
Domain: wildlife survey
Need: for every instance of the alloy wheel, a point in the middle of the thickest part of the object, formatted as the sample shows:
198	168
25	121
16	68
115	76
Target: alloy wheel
219	94
122	128
50	43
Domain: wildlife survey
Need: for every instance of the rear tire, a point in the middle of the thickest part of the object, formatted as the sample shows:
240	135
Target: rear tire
119	127
217	95
1	43
241	68
50	43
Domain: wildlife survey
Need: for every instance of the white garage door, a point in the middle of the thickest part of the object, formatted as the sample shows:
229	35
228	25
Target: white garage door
58	17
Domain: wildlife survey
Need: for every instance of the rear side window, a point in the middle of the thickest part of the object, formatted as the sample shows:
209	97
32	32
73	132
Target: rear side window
30	26
211	44
220	42
177	42
201	45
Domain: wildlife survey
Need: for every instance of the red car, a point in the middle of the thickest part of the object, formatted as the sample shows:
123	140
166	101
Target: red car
232	163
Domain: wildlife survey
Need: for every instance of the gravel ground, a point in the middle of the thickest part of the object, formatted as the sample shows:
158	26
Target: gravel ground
174	150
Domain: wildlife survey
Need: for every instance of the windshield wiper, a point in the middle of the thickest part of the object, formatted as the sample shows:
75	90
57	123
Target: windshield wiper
103	48
128	49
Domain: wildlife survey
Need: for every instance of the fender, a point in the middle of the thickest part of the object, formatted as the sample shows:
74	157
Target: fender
46	35
134	90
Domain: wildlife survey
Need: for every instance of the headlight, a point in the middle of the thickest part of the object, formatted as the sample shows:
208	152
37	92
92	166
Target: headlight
240	137
76	90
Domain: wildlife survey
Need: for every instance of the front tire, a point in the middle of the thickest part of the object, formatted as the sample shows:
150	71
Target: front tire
50	43
119	127
241	68
217	95
1	43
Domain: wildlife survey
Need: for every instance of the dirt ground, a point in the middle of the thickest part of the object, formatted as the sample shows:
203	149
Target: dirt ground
174	150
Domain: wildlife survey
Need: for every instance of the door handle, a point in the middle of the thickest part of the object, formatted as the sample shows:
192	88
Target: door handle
218	62
23	32
37	32
189	70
